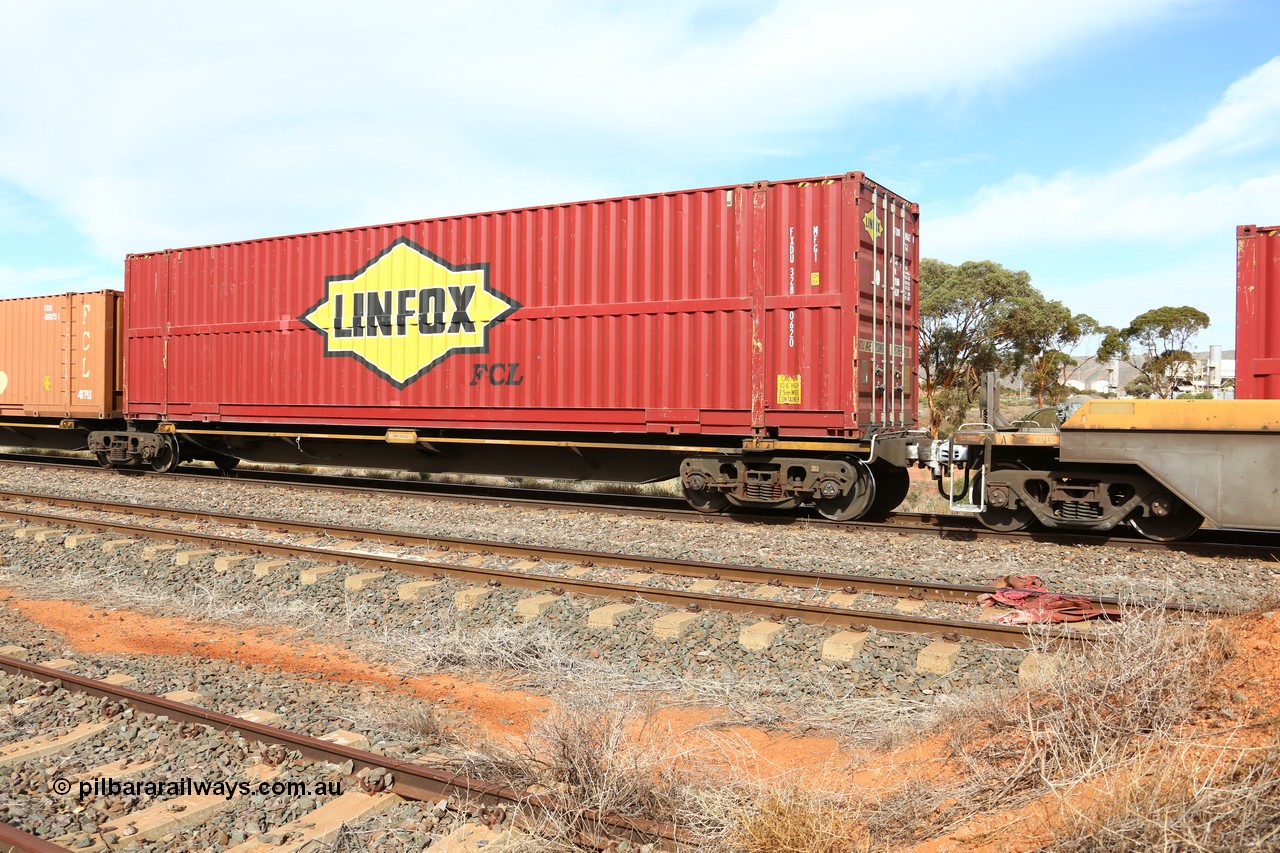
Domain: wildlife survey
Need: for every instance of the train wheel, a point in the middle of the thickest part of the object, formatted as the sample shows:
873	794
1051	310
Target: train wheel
1003	519
861	497
101	456
705	500
167	457
892	485
1179	522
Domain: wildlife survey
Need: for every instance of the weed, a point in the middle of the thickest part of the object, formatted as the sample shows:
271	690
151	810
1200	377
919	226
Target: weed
596	755
1174	803
515	647
794	820
409	720
1102	704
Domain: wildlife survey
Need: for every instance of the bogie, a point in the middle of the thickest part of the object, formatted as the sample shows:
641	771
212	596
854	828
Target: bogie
1013	497
840	487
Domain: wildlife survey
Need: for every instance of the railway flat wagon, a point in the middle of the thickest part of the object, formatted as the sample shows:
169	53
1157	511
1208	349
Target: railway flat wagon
1258	312
59	367
1162	466
759	340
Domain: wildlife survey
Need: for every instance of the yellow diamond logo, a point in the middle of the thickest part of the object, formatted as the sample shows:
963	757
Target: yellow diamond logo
873	225
407	310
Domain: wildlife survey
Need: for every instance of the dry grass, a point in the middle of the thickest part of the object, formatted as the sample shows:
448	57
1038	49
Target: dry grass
794	816
924	497
609	754
1172	802
345	840
1119	700
1268	601
205	604
1107	702
604	754
410	720
532	651
533	655
122	588
596	755
794	820
89	585
876	723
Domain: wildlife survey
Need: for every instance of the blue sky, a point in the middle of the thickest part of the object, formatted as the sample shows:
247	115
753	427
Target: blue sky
1109	147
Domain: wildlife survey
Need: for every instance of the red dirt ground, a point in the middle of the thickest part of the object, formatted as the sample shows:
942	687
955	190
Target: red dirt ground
500	713
493	711
1254	674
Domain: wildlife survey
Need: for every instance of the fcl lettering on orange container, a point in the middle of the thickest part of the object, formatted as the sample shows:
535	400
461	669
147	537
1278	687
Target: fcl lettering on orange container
60	356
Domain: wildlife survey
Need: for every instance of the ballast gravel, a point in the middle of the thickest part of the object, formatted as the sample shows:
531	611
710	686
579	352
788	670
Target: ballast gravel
1073	569
555	651
145	754
464	558
429	634
311	706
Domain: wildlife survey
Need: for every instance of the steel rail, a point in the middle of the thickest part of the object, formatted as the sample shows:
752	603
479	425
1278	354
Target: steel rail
1208	542
762	575
832	581
997	634
411	780
13	839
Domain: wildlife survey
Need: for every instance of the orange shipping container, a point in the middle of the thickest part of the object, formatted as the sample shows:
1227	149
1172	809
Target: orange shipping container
60	356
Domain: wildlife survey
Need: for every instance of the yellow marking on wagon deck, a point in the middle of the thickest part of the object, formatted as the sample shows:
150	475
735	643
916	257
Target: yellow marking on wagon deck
1006	439
1178	415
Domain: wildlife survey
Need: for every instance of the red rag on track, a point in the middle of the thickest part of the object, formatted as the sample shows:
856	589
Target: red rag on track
1032	603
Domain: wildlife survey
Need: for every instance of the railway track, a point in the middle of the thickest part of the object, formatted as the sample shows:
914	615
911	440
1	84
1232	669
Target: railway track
1208	542
485	564
361	783
551	571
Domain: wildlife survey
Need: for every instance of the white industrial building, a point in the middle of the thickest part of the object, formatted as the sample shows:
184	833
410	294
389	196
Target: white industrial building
1213	370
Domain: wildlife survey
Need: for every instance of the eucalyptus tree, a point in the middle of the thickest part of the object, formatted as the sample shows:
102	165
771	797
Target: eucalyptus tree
967	325
1155	344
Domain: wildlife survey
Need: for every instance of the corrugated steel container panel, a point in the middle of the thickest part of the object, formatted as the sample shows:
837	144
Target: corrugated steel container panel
1258	312
59	356
786	306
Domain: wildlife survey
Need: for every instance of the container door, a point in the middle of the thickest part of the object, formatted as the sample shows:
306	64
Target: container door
90	367
145	321
805	373
887	282
1257	313
31	356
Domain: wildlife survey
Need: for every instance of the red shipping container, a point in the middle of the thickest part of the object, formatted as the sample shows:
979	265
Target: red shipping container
783	308
1258	312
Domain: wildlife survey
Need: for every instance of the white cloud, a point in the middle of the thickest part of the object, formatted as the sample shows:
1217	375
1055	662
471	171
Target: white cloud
1176	207
39	281
151	125
1205	280
1246	120
1196	187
